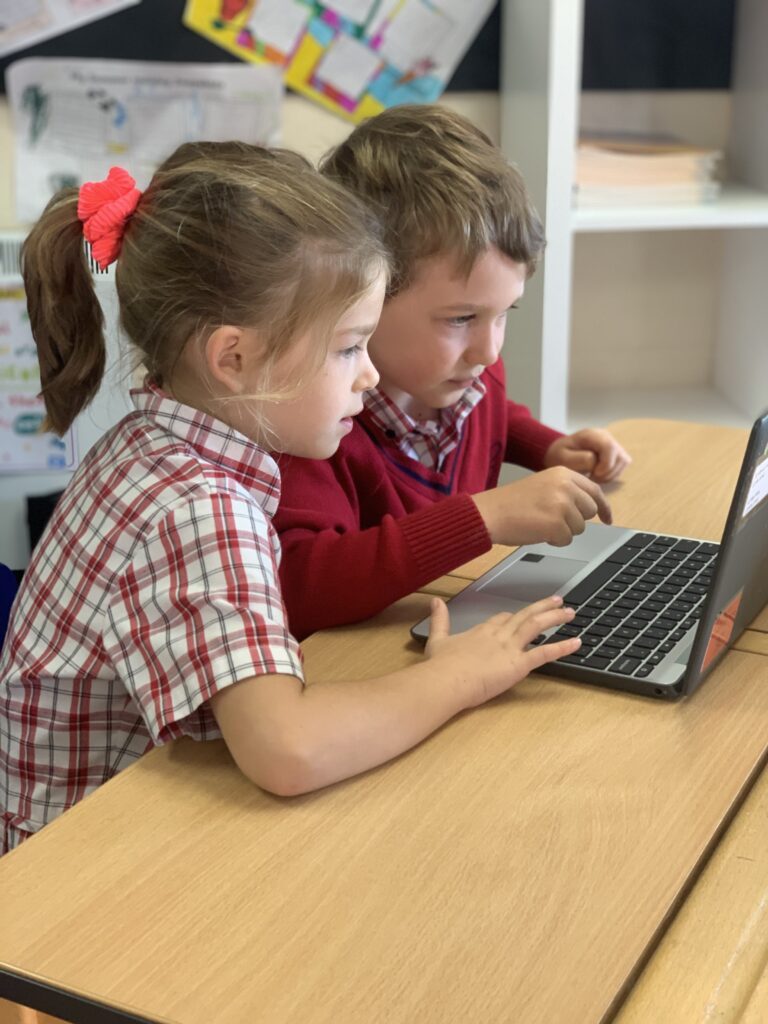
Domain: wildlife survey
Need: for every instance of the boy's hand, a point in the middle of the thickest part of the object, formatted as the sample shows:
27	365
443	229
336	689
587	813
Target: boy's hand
551	506
595	453
491	657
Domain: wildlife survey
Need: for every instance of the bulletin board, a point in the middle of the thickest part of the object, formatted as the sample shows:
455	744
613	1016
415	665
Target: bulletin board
353	57
153	30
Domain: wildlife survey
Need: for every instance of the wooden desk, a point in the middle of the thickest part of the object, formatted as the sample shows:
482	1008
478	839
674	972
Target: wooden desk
518	866
710	963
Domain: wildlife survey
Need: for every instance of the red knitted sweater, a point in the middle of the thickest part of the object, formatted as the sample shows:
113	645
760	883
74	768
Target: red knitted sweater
370	525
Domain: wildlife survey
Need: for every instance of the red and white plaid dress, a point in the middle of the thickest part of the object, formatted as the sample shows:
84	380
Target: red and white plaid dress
154	586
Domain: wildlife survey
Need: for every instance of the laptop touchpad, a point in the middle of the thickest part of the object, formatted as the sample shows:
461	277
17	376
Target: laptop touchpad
533	577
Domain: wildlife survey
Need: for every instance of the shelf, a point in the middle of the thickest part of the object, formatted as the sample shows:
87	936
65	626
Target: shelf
595	408
737	207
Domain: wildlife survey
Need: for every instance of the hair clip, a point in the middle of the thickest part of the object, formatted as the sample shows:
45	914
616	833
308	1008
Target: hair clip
105	207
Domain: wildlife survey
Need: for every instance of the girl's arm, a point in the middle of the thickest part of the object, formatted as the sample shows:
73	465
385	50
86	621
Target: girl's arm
289	739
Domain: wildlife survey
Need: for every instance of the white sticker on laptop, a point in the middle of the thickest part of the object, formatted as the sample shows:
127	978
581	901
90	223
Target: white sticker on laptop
758	487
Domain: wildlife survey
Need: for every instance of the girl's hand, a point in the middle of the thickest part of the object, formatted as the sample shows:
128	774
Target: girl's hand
595	453
491	657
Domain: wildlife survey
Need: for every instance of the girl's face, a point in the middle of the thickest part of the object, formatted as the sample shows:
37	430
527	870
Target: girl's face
313	423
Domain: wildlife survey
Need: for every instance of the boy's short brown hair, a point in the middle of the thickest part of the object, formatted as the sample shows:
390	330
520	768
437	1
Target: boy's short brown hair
438	184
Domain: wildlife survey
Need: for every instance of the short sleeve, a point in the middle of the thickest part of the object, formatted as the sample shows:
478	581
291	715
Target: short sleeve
197	609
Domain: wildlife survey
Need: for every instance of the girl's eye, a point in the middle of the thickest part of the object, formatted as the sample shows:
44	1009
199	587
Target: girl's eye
460	321
347	353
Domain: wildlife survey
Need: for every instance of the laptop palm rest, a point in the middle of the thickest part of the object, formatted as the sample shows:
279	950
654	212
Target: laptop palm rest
515	586
532	578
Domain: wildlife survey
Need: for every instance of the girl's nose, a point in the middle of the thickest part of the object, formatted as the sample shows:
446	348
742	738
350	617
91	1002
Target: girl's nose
368	377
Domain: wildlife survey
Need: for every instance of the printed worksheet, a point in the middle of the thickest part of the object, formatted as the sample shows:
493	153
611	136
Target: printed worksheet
23	448
26	22
74	119
354	57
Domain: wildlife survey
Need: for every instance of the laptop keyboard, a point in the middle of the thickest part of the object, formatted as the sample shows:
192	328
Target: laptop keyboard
637	604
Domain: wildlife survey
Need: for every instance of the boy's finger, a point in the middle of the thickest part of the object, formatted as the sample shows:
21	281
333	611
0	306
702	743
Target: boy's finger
607	470
582	461
593	489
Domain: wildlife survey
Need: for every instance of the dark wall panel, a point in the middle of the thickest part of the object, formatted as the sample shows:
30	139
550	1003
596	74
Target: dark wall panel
628	44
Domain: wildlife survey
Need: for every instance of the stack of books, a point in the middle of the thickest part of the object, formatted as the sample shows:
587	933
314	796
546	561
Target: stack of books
626	169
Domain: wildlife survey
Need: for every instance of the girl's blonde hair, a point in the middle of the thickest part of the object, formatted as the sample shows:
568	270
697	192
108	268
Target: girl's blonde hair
226	233
439	186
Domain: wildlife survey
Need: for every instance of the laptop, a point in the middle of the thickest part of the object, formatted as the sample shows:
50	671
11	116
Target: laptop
655	612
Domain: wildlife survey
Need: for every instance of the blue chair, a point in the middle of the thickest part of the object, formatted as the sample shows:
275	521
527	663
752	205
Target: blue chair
9	584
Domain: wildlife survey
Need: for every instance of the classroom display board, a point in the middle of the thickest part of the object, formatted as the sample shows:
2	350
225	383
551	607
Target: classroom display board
74	119
354	57
23	448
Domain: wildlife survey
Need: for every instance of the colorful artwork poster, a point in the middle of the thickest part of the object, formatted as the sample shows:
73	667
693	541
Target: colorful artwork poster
354	57
24	447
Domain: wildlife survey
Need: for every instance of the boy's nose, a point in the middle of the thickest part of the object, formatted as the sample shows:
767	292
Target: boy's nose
484	348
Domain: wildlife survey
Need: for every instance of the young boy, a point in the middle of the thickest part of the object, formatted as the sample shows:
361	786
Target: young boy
412	490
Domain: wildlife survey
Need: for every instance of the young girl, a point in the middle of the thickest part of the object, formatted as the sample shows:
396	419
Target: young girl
151	609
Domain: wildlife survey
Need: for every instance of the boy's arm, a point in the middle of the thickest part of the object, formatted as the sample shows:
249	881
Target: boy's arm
333	572
528	440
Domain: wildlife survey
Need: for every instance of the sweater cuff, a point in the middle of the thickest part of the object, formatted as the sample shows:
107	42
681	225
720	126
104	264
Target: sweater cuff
532	443
445	536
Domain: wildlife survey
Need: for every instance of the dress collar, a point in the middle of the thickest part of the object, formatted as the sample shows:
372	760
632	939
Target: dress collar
214	441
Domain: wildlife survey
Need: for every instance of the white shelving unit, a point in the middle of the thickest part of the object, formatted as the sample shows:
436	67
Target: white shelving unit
540	101
736	207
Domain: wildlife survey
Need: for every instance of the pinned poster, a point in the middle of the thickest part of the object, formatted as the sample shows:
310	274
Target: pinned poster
74	118
26	22
23	447
354	57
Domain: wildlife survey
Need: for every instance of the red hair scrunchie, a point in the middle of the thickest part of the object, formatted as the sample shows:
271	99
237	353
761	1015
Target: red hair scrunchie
104	207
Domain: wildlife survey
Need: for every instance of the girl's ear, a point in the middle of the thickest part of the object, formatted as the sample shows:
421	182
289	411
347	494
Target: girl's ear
230	354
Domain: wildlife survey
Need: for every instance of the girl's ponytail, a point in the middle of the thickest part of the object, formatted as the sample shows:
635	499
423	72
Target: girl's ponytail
65	315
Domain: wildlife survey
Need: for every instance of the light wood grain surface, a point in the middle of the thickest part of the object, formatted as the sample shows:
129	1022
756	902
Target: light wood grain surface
711	963
518	866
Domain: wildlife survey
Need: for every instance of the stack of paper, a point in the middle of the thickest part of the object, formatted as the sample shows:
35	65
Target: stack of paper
627	169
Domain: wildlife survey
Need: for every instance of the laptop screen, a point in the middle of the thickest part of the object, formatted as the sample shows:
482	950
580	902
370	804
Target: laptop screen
740	584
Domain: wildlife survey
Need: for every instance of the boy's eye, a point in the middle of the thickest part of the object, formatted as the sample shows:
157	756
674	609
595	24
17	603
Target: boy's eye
459	321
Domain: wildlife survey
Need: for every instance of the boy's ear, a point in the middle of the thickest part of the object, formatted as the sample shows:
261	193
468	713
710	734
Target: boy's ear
230	353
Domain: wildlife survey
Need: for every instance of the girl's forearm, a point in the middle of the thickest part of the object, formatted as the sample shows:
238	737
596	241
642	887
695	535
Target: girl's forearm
350	727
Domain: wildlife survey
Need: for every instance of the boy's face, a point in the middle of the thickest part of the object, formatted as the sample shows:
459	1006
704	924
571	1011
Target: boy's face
442	331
